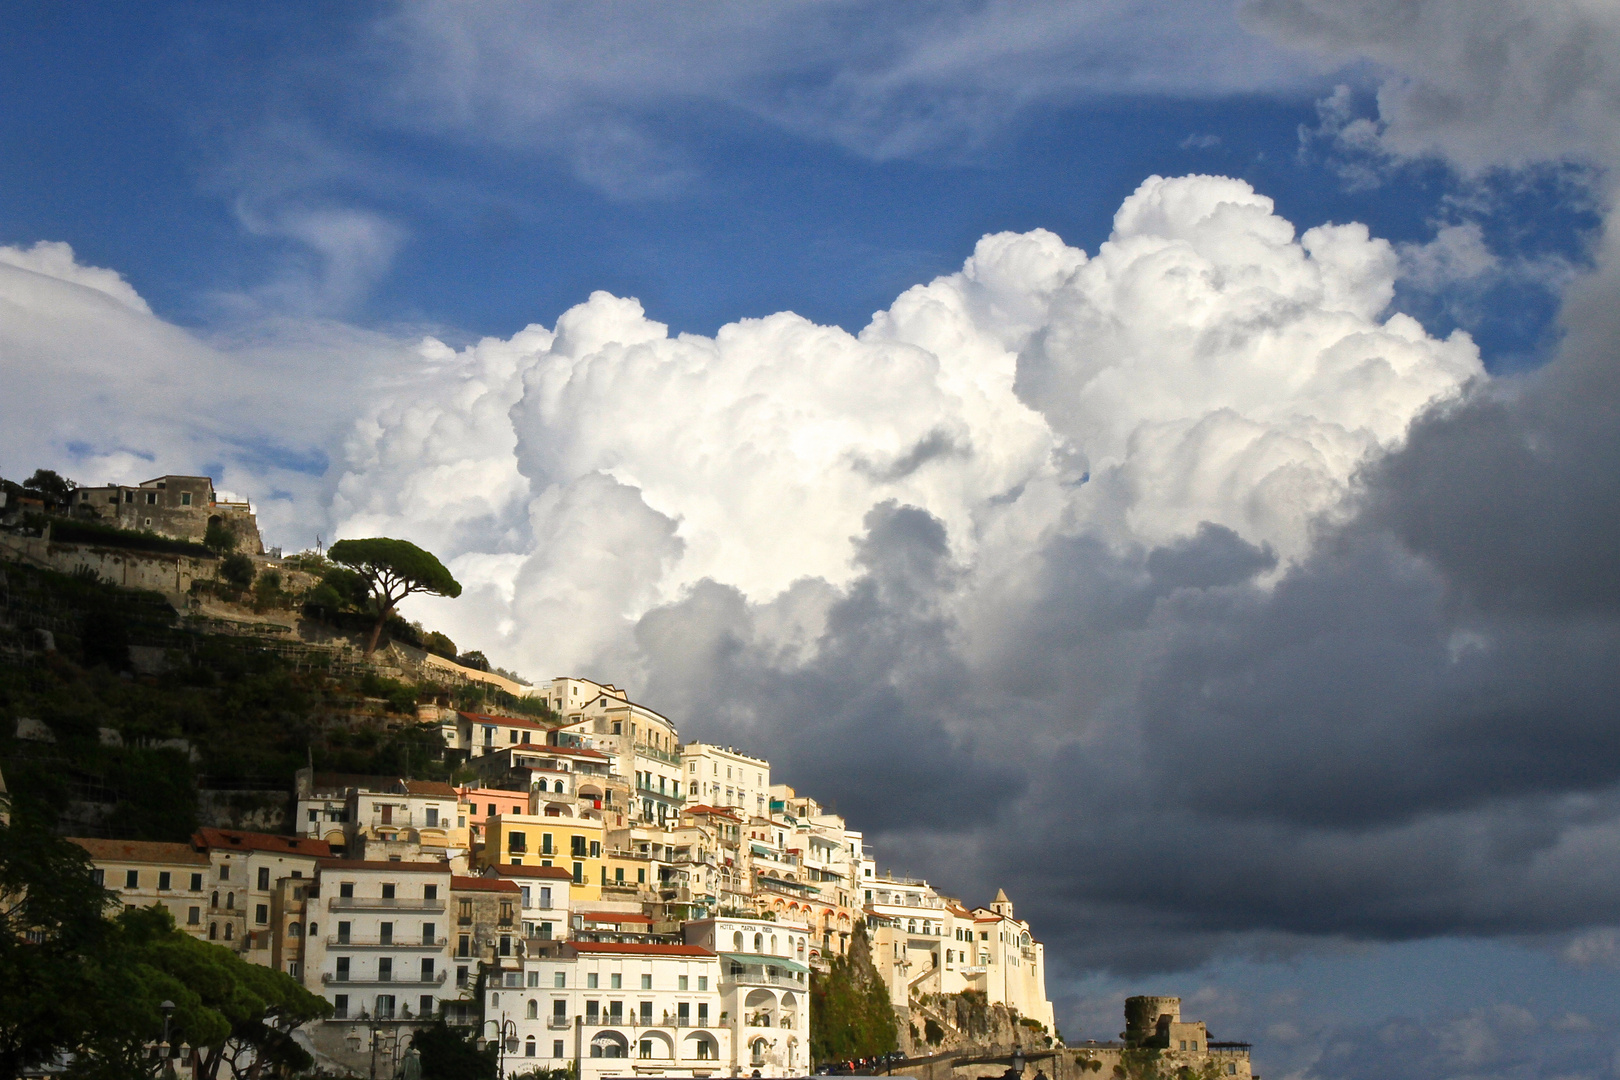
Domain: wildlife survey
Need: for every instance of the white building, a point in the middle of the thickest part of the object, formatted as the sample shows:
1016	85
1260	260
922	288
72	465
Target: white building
615	1009
764	991
725	776
378	949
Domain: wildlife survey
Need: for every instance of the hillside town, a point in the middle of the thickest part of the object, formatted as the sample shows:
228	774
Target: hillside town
602	892
589	894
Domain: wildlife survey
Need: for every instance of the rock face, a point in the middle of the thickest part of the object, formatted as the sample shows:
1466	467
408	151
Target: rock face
940	1023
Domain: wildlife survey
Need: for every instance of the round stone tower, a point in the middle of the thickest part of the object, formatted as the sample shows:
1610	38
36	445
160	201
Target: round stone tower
1146	1016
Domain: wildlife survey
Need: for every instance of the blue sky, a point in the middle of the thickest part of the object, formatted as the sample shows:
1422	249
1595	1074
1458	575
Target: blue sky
1262	587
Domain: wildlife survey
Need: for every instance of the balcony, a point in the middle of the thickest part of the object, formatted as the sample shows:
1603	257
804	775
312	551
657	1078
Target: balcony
329	979
643	750
760	978
382	903
559	1023
437	944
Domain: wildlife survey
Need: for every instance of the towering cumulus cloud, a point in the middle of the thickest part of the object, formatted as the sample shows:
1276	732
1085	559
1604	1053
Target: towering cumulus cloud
1206	365
1171	575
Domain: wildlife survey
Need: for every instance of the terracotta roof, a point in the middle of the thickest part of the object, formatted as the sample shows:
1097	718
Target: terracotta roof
502	721
381	864
628	949
482	884
232	840
430	787
615	917
719	811
555	872
142	851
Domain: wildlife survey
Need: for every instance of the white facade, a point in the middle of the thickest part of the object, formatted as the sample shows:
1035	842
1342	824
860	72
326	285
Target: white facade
764	989
725	776
616	1009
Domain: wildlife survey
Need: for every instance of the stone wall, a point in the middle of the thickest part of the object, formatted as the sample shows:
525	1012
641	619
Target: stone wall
157	571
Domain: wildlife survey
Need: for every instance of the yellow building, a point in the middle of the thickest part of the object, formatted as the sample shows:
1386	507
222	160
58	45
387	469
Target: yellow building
574	843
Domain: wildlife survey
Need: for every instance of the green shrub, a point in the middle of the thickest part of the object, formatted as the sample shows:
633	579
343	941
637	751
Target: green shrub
237	570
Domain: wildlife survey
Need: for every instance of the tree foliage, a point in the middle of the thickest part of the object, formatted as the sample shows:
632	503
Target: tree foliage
448	1055
79	987
850	1012
393	570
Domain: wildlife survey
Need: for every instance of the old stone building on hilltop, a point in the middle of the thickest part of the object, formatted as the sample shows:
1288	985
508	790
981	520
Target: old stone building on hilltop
181	507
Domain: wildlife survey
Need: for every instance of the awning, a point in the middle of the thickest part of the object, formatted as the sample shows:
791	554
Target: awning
756	960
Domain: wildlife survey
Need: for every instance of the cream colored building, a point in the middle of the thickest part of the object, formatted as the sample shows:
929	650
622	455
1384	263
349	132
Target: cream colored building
644	745
615	1009
725	776
144	873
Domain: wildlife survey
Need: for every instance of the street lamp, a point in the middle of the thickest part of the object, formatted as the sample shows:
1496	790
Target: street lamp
163	1047
505	1029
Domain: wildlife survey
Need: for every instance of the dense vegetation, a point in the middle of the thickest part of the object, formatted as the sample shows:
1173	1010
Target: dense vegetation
72	980
850	1014
250	711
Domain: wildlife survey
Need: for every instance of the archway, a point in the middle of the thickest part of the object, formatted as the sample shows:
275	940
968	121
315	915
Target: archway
610	1044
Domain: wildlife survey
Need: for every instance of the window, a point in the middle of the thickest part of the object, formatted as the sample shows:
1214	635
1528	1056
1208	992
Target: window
579	873
646	1044
185	498
261	913
427	969
163	881
385	1006
559	980
346	889
615	981
545	896
703	982
545	931
388	891
506	944
425	1005
385	969
461	976
193	916
343	933
464	945
528	1044
385	933
314	815
534	978
517	843
524	891
703	1047
577	846
196	883
151	500
703	1007
592	1012
340	1006
615	1012
506	913
646	984
557	1047
545	844
592	980
428	934
680	982
132	879
683	1014
432	814
213	931
430	892
343	969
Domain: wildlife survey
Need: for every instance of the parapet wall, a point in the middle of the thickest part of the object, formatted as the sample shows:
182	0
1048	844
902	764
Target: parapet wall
156	571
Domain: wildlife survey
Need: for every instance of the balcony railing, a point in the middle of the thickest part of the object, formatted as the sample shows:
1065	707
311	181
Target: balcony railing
750	978
330	979
338	941
382	903
559	1023
642	750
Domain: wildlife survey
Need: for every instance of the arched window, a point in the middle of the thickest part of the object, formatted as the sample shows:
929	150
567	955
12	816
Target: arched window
312	929
295	929
773	944
528	1044
228	931
534	1009
759	943
213	901
213	931
230	901
736	941
559	786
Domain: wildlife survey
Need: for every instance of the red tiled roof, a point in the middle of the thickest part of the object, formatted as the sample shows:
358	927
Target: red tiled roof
719	811
430	787
629	949
502	721
482	884
615	917
232	840
436	867
142	851
556	872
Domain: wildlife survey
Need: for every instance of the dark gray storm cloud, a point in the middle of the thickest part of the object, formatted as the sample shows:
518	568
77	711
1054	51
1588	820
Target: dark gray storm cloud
1413	731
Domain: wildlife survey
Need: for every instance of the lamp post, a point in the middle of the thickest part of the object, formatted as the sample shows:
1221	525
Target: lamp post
163	1047
505	1029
